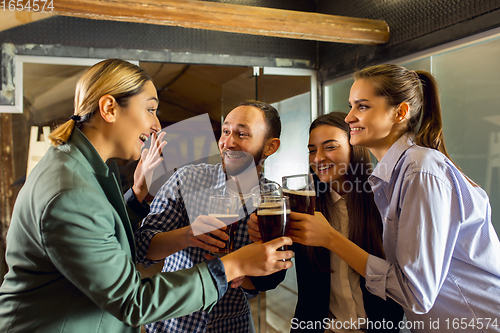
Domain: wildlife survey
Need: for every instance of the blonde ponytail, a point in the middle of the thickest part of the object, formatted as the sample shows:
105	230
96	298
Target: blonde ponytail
62	133
118	78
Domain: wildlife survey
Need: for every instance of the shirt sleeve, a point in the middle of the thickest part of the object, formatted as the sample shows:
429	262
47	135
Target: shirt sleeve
167	213
216	268
79	233
136	210
422	236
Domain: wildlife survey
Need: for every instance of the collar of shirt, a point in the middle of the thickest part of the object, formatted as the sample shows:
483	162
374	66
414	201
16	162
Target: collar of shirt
386	165
336	197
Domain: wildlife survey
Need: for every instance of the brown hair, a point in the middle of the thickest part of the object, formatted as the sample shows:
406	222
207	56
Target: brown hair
417	88
118	78
365	224
271	117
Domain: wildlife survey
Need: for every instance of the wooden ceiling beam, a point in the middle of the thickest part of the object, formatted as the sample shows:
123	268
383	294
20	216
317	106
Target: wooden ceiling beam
11	19
231	18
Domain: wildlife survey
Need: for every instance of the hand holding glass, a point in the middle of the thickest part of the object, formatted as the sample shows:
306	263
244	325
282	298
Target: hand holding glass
225	208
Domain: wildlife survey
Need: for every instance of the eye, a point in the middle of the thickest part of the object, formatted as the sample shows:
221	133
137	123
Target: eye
331	147
152	110
244	135
363	107
312	152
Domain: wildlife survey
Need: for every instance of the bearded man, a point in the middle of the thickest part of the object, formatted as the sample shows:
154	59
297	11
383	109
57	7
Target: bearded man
250	134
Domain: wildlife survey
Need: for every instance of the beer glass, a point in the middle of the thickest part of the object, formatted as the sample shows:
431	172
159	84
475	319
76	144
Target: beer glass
265	189
273	217
225	208
300	191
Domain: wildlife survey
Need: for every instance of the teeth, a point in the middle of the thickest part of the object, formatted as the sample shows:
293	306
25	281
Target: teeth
233	155
323	168
143	137
355	129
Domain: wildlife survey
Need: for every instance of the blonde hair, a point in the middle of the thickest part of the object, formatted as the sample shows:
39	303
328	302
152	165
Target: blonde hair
118	78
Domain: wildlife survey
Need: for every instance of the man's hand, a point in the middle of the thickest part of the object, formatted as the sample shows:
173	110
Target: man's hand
253	229
201	233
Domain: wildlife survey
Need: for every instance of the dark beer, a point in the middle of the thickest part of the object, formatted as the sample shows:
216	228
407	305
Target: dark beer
273	222
301	201
231	221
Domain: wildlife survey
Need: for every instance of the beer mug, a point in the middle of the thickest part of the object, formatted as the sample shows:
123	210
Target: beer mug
273	217
265	189
225	208
300	191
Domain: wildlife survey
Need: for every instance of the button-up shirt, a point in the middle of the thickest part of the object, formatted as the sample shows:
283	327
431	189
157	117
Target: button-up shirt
346	298
442	252
181	199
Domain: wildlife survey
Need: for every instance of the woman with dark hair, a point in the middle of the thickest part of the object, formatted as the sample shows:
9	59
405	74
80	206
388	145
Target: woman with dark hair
332	296
344	198
70	247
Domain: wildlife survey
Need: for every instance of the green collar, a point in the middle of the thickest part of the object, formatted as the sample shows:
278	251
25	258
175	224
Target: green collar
80	148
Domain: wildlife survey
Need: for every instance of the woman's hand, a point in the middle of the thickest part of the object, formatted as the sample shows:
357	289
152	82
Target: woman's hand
258	259
311	230
253	229
150	159
235	283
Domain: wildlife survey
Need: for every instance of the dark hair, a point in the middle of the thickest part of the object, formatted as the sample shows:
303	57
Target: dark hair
271	117
417	88
365	224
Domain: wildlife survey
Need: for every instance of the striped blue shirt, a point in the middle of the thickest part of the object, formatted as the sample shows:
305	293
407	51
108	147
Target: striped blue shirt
442	252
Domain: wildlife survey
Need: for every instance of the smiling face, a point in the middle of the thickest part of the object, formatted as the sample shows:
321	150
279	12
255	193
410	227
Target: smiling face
329	154
136	122
242	141
371	119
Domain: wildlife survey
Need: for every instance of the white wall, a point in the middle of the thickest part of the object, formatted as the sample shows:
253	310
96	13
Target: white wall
292	156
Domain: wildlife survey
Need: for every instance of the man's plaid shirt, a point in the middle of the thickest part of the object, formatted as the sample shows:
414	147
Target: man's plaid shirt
181	199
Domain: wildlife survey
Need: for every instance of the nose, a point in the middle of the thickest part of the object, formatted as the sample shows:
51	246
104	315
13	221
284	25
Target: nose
319	157
156	124
227	141
350	117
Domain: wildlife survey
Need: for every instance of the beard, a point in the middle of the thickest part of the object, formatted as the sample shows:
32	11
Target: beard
240	162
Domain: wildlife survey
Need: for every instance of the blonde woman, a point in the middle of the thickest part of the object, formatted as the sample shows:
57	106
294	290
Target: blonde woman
70	246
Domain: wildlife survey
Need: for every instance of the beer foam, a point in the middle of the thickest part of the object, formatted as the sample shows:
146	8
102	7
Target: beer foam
227	216
276	205
309	193
269	212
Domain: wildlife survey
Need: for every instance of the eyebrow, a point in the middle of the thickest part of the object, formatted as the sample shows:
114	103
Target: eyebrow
154	99
239	126
325	142
359	101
